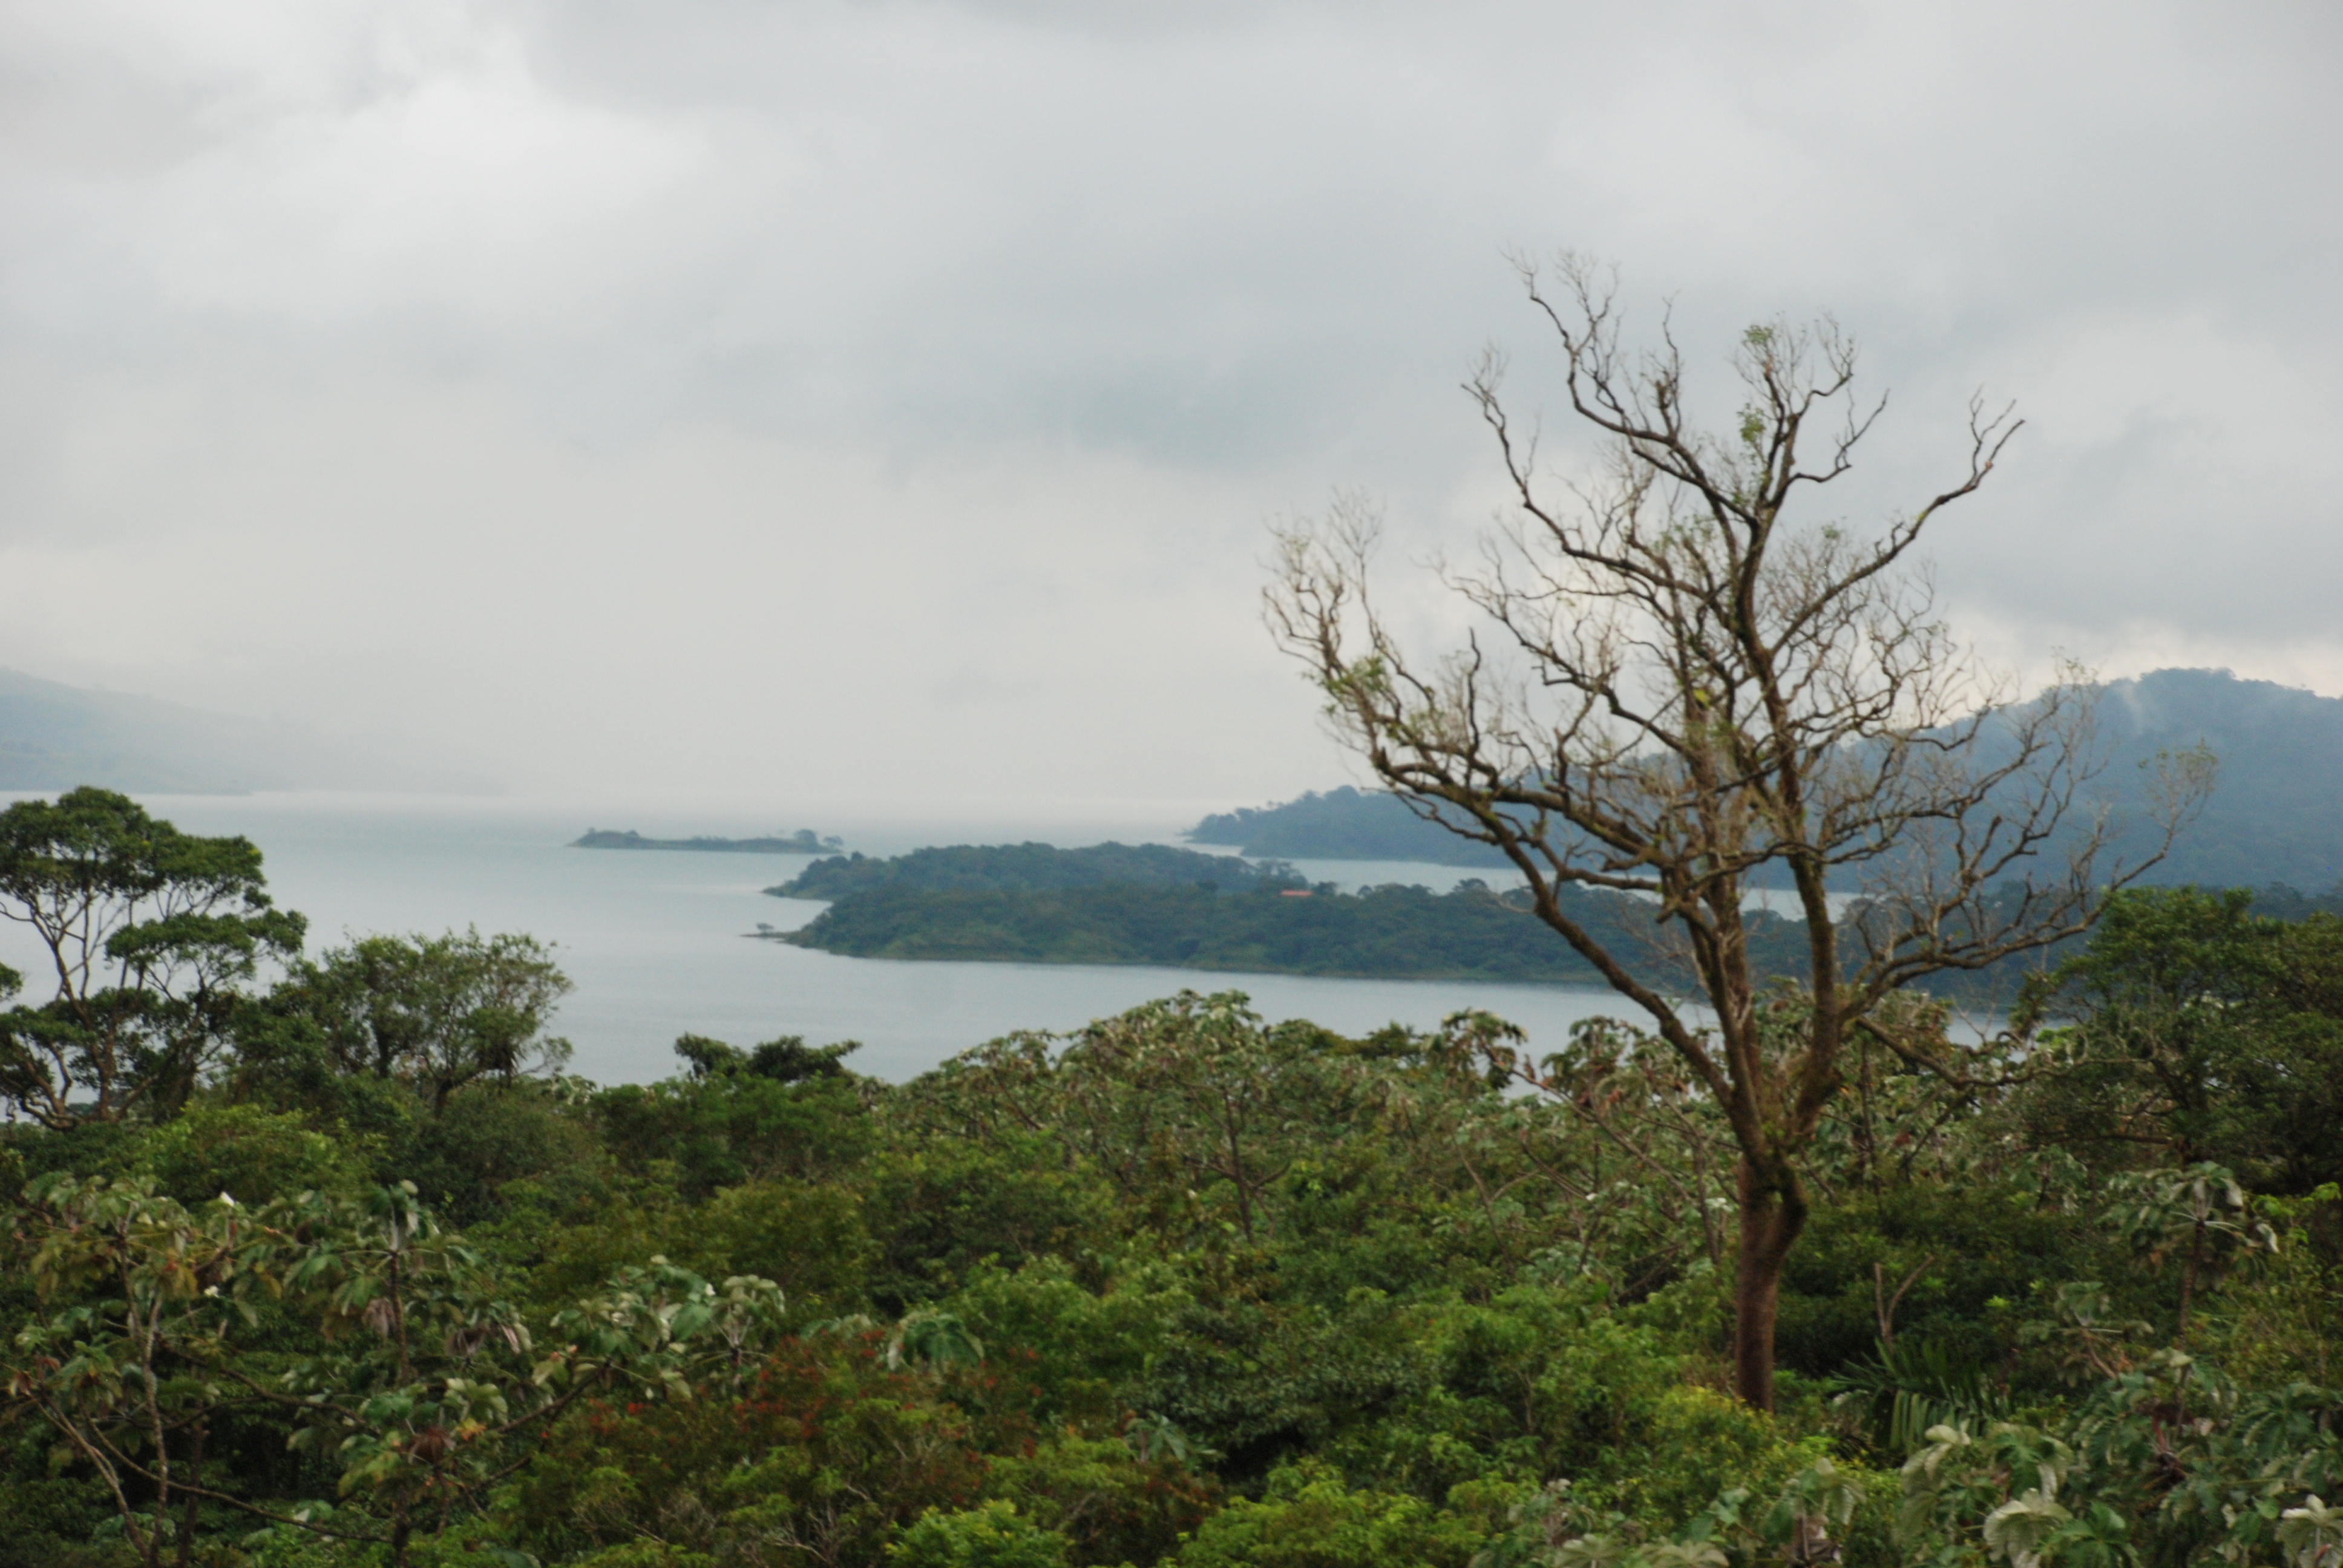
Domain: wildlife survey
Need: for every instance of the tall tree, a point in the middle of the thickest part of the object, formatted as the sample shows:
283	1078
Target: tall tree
149	935
436	1012
1682	691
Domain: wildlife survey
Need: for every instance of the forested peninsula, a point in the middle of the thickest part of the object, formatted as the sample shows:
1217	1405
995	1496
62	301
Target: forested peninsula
1153	904
323	1260
1389	933
1149	904
804	841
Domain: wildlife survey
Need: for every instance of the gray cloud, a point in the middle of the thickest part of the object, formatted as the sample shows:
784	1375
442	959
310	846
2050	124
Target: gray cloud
777	394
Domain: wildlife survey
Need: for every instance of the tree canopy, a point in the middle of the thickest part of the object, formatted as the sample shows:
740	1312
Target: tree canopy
147	935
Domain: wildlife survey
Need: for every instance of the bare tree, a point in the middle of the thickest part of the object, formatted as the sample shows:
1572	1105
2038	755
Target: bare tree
1677	692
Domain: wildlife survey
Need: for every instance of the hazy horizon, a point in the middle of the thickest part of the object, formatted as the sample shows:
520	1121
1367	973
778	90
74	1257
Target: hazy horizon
874	402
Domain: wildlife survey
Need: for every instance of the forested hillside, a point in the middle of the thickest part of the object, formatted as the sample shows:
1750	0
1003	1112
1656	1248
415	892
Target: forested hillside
2276	815
321	1259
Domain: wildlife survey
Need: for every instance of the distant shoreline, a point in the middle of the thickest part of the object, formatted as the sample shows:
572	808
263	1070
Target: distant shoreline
804	841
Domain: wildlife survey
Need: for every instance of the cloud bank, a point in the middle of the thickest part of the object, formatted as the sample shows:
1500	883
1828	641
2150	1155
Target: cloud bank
886	400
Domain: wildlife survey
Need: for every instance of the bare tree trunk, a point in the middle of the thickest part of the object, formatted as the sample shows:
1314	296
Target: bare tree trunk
1771	1219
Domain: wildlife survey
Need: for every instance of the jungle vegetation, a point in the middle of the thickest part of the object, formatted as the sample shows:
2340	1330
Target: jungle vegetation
324	1260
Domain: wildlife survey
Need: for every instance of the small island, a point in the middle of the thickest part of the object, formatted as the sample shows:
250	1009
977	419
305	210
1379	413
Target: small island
804	841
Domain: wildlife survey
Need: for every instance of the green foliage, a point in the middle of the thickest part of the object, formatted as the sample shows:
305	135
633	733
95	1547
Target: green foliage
1112	1503
248	1153
1081	1354
1818	1515
990	1535
463	1157
2198	1031
280	1060
142	1303
787	1059
1310	1518
731	1123
1538	1383
436	1012
149	935
412	1388
1951	1249
2278	1318
809	1239
941	1212
821	1457
1186	1286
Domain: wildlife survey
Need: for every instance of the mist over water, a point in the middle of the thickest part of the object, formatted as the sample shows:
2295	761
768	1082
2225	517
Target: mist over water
658	942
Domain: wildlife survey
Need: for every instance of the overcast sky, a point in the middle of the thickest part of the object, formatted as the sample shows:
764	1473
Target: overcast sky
807	398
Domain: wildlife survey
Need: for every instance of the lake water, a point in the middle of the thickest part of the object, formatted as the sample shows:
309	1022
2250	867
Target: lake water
657	942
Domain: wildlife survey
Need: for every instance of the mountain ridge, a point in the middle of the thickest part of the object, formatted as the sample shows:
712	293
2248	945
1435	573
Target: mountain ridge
2276	814
54	736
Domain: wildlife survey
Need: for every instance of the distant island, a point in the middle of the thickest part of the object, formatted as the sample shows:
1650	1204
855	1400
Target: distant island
994	868
804	841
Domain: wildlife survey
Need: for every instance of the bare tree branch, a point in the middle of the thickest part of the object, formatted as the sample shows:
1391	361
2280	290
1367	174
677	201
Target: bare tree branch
1677	687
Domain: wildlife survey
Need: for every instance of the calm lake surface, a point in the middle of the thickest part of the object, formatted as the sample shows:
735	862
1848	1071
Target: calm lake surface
658	941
